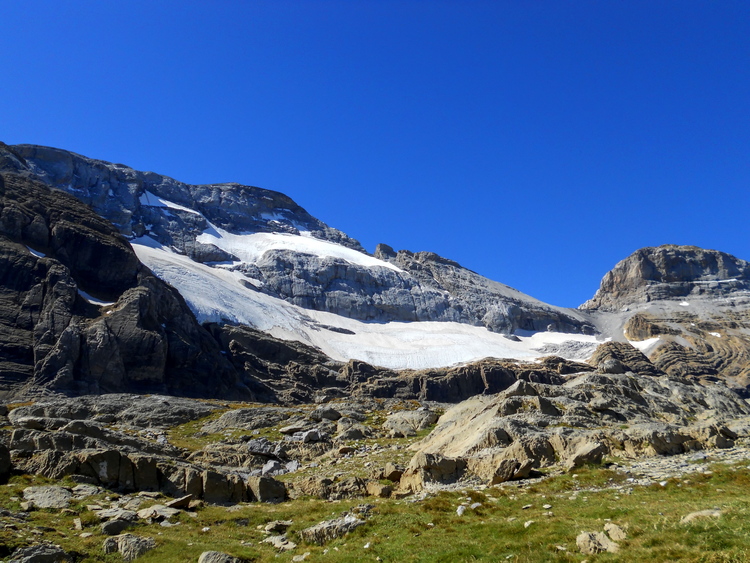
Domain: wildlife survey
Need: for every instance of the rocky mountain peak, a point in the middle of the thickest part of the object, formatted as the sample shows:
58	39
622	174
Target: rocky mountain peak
171	212
670	272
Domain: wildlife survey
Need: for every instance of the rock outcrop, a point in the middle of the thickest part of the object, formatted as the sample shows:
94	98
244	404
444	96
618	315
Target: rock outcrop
422	287
670	272
592	414
80	314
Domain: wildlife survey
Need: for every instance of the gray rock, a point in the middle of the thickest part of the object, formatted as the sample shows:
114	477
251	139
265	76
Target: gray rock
330	529
48	496
408	423
117	514
115	526
158	512
217	557
266	489
589	452
40	553
325	413
669	272
591	543
129	546
272	467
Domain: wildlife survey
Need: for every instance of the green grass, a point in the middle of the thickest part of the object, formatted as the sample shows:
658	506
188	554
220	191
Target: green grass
429	530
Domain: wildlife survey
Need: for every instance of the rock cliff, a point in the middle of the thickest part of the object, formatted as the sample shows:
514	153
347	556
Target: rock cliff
80	313
670	272
423	286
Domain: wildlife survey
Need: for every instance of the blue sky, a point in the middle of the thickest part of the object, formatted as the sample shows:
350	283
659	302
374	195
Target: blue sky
537	143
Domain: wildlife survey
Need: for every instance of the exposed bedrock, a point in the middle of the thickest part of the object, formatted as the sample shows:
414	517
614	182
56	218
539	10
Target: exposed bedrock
80	314
669	272
428	287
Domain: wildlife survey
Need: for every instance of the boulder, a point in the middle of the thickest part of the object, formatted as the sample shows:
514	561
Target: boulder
591	543
115	526
330	529
40	553
48	496
325	413
217	557
267	489
425	468
281	543
588	452
128	545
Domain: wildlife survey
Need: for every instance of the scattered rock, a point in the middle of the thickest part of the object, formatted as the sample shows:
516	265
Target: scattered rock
158	512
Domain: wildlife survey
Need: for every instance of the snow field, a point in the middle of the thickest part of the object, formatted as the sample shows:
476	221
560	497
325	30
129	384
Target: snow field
219	295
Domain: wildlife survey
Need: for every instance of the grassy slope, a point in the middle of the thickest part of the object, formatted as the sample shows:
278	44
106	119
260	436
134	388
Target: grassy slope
431	531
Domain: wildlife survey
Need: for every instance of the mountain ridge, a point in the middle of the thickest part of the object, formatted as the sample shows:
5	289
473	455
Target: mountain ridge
245	256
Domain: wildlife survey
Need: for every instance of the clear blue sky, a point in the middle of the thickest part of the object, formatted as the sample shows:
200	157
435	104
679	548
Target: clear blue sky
535	142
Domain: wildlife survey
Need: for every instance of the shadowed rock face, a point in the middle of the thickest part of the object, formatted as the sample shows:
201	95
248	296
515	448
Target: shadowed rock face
140	337
670	272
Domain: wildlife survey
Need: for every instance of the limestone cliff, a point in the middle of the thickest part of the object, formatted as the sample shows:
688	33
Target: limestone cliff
670	272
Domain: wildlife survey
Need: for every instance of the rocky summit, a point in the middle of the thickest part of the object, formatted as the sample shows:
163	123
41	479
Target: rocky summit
175	357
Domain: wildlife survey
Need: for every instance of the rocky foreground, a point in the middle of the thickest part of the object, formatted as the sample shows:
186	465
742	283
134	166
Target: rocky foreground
193	453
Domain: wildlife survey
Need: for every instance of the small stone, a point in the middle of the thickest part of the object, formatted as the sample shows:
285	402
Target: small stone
546	506
526	506
528	523
301	557
475	505
460	510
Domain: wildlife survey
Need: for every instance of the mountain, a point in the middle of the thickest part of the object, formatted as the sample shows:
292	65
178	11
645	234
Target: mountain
282	304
